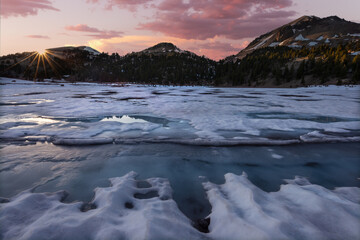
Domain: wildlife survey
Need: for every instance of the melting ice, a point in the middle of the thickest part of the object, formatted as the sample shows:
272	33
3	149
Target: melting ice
191	148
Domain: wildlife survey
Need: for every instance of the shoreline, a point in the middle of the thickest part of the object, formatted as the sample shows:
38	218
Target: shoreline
123	84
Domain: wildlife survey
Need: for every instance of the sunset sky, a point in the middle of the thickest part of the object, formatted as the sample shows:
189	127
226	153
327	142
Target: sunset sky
214	28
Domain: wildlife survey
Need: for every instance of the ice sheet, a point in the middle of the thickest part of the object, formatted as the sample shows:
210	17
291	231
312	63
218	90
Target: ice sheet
191	115
61	136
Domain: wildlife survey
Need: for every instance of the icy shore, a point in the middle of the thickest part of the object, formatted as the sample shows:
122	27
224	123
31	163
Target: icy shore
133	209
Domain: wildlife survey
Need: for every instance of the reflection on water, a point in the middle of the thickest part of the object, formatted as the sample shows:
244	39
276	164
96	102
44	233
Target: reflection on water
40	120
28	118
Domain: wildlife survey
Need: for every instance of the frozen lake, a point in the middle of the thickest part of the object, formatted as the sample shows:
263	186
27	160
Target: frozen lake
75	137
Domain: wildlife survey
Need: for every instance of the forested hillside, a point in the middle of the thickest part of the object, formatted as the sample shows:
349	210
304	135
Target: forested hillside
283	64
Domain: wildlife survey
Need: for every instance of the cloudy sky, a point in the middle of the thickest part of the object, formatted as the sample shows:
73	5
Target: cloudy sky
214	28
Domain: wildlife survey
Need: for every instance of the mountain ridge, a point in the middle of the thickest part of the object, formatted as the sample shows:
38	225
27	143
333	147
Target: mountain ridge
305	31
307	51
162	47
71	48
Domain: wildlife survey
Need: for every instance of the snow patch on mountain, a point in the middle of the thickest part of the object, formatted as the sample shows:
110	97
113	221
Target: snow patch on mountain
262	42
91	50
301	38
354	34
311	44
274	44
294	45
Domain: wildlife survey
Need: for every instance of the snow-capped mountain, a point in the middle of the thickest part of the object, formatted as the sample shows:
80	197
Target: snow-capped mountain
306	31
69	48
163	47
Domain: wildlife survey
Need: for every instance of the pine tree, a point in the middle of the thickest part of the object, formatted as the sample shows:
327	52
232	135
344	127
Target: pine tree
300	70
303	80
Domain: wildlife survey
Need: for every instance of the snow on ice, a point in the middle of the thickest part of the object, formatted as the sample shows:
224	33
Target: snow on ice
89	113
299	210
240	210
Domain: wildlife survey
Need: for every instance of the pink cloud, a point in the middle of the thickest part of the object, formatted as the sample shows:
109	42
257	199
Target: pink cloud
226	47
215	50
38	36
214	54
96	33
203	19
24	7
82	28
129	4
233	19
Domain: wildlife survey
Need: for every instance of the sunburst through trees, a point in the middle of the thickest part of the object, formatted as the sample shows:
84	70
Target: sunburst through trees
38	65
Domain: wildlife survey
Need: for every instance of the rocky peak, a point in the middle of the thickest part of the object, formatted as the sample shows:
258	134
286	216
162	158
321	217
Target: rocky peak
306	31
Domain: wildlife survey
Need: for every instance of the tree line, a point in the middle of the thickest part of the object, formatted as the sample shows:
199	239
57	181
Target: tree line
276	66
